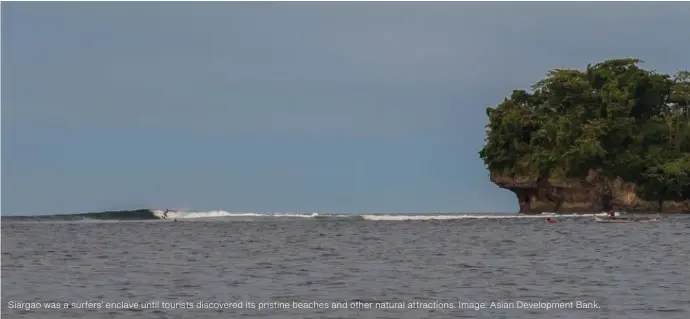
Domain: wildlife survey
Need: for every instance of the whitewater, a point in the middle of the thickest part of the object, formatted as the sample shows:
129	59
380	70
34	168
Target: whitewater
222	215
366	216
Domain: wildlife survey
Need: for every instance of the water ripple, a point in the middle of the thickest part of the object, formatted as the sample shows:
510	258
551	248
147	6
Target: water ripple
630	270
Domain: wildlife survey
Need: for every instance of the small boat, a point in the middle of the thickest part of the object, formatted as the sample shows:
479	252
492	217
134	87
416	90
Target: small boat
611	220
625	220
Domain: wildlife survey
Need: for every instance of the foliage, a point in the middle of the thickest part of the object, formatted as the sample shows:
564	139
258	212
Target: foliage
614	117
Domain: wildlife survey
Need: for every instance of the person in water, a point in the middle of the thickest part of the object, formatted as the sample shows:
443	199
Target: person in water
165	214
612	214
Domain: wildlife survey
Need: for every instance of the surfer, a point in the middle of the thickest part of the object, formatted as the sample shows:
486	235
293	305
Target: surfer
548	219
612	214
165	214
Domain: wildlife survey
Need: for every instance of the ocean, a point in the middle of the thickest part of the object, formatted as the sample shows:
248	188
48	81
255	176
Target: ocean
313	265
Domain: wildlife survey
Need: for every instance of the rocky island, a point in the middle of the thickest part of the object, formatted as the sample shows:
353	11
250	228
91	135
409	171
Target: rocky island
611	137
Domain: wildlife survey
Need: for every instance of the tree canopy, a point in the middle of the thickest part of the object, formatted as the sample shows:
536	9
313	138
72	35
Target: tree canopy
614	117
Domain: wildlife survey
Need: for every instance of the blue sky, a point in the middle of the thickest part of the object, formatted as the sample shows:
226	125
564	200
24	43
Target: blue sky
340	107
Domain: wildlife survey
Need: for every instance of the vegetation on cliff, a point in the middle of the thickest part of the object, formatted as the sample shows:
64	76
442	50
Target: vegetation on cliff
614	117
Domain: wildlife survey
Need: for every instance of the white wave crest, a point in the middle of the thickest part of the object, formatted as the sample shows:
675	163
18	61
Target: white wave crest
173	214
463	216
221	213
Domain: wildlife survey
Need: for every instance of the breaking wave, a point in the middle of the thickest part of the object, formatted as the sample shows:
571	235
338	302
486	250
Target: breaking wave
158	214
139	214
220	213
404	217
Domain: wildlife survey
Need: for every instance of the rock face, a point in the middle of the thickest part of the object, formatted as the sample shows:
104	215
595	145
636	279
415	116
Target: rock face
593	194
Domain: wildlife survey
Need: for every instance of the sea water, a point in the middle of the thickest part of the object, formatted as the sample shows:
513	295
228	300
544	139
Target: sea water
381	266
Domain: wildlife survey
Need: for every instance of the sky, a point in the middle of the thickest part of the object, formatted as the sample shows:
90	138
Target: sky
286	107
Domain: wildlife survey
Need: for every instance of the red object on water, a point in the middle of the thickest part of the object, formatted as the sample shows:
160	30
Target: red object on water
550	220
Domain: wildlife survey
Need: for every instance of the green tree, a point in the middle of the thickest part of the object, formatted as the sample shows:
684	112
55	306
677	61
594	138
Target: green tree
614	117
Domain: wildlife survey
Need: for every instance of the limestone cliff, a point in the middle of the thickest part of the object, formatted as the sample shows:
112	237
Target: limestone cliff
593	194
